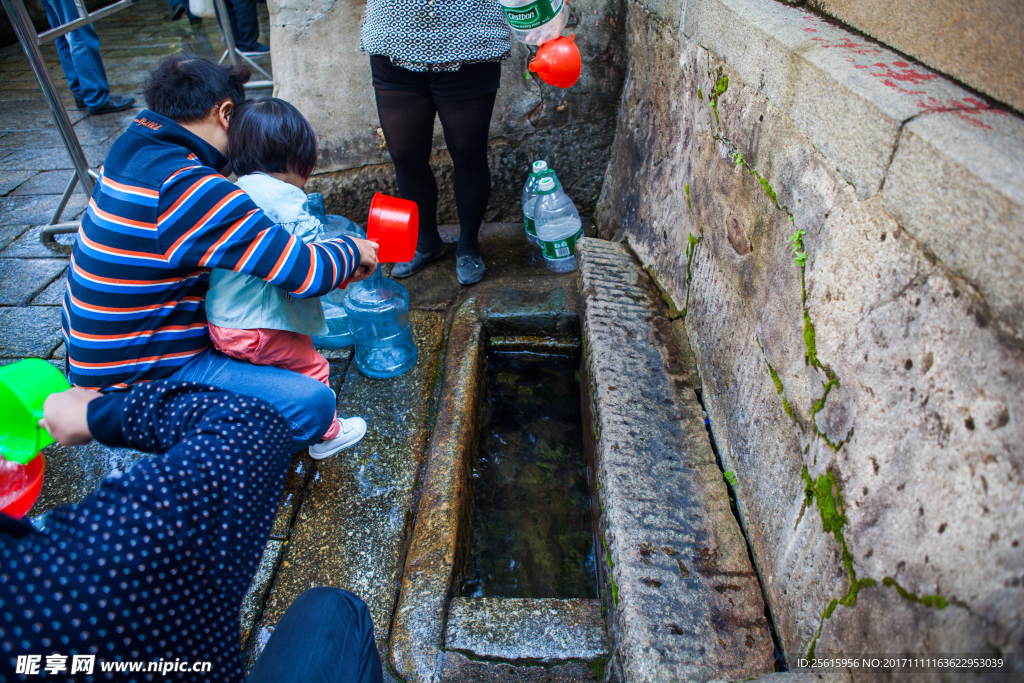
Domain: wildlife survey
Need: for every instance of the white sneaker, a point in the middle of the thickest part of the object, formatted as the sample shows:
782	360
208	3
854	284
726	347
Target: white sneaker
353	429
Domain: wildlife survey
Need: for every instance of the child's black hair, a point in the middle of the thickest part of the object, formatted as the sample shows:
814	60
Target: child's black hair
271	136
185	88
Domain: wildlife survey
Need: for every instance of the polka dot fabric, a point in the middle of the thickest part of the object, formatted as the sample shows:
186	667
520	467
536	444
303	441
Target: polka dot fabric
154	564
435	35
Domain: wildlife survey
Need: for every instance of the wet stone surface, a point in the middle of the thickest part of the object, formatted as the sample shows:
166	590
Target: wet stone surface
29	332
457	668
352	519
522	629
22	279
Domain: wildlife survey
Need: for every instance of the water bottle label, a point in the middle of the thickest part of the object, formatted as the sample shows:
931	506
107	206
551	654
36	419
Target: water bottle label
531	226
532	15
560	249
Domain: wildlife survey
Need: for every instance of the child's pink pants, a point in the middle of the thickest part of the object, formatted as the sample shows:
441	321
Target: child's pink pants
279	348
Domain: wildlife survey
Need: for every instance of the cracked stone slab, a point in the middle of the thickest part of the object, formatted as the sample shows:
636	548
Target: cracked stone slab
22	279
32	332
683	600
511	629
955	186
53	295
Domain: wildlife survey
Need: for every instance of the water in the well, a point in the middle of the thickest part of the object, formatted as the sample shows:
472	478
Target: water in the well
532	533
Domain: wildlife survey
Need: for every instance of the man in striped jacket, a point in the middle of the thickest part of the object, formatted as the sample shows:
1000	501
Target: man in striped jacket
160	217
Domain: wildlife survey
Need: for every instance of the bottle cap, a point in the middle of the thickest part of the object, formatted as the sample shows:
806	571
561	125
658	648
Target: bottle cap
540	166
546	184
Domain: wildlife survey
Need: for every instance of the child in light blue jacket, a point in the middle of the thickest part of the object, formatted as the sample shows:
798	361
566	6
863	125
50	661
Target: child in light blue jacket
273	150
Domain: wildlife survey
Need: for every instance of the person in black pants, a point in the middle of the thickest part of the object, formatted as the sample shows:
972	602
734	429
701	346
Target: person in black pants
152	567
440	59
245	25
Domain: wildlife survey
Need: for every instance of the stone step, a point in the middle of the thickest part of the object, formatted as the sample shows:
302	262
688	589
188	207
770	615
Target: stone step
517	629
682	598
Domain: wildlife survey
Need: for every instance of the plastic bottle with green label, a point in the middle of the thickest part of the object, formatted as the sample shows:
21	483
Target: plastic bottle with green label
558	226
530	195
535	22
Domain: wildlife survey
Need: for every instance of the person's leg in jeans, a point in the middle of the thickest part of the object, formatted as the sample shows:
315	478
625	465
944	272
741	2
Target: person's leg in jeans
465	124
280	348
306	403
325	636
407	119
64	53
86	77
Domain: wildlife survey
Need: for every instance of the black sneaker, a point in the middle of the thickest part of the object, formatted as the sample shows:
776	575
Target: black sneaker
80	104
115	103
256	49
178	12
419	260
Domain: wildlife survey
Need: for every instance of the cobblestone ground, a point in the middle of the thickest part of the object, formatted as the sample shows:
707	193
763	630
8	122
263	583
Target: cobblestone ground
35	168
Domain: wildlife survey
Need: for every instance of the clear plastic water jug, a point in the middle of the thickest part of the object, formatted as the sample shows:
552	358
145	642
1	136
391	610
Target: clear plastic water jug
315	207
535	22
558	226
339	333
378	314
538	171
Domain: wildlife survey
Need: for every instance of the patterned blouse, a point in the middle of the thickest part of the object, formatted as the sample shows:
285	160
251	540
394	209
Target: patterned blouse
435	35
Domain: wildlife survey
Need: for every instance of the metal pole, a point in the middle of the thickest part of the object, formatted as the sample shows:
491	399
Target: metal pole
225	28
27	36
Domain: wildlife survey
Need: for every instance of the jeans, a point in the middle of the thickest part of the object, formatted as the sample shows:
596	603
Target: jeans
79	53
306	403
326	636
245	24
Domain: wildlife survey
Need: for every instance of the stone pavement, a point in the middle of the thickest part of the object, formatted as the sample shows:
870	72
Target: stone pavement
35	168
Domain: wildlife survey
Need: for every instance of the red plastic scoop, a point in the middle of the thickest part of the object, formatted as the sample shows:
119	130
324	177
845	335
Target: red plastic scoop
558	62
394	225
20	485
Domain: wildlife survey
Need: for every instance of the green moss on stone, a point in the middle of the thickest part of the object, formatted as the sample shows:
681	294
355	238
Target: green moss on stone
826	492
611	574
936	601
810	342
721	85
779	388
673	312
597	666
686	189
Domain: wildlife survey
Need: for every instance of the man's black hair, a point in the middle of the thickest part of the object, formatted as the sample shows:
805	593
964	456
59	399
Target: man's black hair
271	136
185	88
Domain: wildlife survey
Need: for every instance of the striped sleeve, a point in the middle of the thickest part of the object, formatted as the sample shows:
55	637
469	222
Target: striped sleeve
206	221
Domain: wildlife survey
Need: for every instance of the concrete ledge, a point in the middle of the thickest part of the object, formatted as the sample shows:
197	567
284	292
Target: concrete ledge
683	601
850	96
511	629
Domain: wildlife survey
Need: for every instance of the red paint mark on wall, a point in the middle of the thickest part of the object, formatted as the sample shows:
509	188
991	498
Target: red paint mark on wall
904	73
850	46
962	109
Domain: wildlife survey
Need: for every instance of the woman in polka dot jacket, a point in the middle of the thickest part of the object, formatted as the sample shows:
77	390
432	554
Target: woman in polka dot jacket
153	565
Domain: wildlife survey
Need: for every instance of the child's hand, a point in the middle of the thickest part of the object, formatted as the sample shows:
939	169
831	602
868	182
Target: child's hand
367	259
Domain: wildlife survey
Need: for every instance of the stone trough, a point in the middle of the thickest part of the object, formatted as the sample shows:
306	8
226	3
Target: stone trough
678	597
